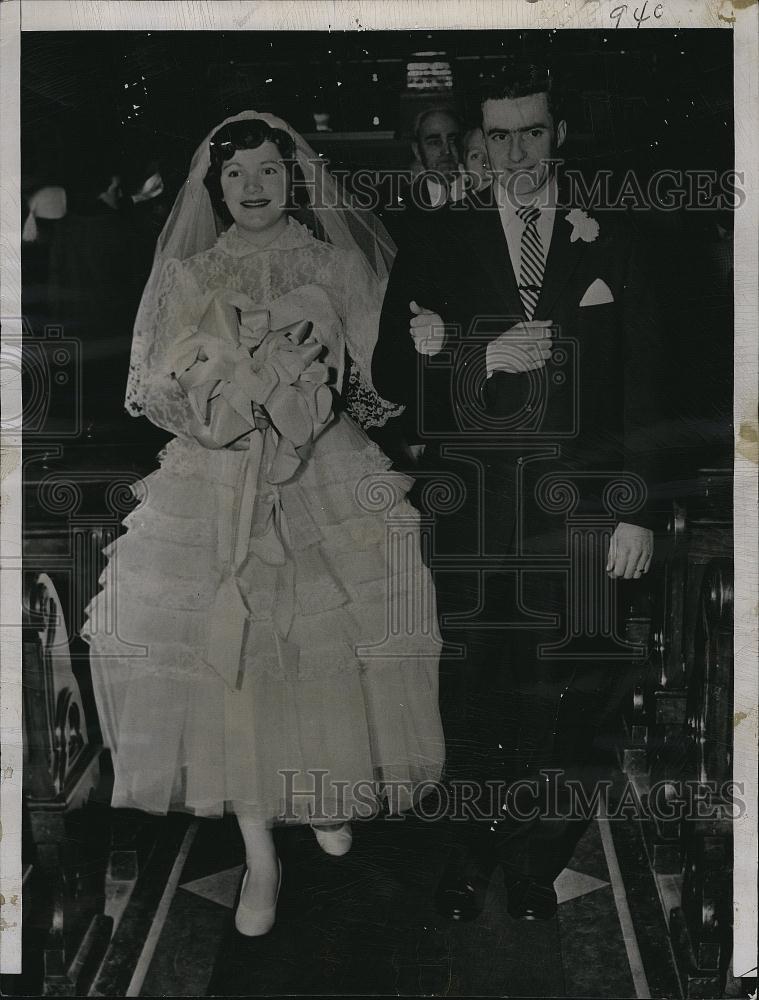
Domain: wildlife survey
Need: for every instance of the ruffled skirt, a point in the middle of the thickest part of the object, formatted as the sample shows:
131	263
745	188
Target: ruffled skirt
349	721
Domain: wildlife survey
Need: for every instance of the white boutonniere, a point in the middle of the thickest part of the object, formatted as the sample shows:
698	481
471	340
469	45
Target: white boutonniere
584	228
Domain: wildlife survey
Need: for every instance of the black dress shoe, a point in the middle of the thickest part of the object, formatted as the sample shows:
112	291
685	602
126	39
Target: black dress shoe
530	900
461	892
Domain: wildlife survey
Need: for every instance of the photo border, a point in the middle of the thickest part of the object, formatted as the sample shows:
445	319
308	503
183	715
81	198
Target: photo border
318	15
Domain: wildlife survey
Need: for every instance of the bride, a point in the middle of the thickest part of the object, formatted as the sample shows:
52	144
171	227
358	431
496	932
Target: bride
240	647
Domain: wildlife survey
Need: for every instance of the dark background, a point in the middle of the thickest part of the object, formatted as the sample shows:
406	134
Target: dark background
648	97
640	100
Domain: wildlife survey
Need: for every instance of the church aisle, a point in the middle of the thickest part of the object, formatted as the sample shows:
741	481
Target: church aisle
365	923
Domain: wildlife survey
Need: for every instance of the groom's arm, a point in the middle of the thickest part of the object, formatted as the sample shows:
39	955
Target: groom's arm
394	358
643	382
399	372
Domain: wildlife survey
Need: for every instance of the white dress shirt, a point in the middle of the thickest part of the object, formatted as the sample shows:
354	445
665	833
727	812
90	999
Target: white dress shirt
513	226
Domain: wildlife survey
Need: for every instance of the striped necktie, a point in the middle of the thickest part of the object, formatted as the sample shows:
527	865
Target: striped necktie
532	262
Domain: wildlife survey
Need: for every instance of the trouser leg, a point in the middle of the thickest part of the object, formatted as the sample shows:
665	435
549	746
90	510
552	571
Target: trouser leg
546	723
579	782
569	789
499	710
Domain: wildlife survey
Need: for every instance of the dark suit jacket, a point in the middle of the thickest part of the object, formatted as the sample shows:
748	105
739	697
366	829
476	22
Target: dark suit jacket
406	208
591	415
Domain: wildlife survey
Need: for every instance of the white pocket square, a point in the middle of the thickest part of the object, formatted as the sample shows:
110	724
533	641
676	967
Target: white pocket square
597	294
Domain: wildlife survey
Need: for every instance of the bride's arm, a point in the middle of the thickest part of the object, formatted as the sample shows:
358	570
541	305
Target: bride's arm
178	305
362	301
362	304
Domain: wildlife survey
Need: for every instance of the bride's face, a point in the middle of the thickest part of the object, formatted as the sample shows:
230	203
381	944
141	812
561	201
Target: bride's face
255	184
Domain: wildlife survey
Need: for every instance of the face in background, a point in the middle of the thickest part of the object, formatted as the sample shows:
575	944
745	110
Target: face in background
437	143
475	158
255	186
520	133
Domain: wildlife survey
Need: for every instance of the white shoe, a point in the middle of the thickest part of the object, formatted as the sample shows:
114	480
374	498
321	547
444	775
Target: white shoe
334	840
255	922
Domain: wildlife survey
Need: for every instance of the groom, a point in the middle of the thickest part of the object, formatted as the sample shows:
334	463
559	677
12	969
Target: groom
520	331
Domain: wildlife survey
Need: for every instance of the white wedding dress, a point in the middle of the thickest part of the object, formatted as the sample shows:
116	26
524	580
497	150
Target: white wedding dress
318	723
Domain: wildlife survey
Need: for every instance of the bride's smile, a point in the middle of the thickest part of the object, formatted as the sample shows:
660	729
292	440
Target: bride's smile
255	186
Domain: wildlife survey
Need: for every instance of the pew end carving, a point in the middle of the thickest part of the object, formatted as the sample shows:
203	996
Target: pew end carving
64	923
679	733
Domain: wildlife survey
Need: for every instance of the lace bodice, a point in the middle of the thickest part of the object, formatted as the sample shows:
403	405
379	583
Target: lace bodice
295	277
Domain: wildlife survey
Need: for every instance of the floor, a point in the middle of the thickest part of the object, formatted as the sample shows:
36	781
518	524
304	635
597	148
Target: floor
365	923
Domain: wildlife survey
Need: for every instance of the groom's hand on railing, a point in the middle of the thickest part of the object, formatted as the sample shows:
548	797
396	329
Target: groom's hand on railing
524	347
630	552
427	330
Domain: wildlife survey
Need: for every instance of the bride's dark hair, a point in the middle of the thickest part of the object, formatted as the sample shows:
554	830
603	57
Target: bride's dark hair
248	134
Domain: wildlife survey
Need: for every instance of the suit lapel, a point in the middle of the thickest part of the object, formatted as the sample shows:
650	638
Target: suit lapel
563	257
484	235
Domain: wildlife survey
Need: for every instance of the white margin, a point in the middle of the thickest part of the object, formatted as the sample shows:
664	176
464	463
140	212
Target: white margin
359	15
746	527
11	768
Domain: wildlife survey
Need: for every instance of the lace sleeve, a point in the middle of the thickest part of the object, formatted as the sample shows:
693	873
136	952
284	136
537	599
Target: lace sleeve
153	392
362	303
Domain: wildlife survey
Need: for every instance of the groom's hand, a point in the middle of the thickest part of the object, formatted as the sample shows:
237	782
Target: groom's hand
630	551
427	330
524	347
